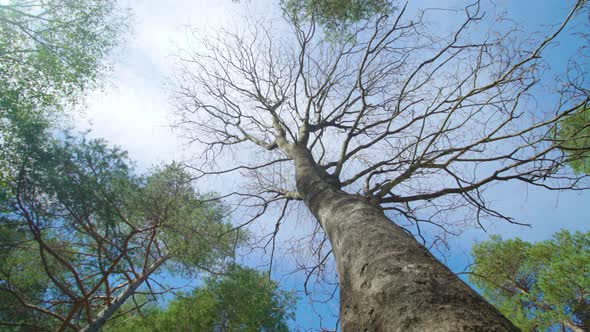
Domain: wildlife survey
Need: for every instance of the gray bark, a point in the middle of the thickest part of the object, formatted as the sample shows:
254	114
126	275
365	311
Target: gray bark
574	327
388	281
107	312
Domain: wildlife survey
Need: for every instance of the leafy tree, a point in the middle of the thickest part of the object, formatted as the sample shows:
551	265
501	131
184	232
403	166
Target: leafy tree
20	259
242	299
51	52
398	125
574	133
335	15
539	286
81	233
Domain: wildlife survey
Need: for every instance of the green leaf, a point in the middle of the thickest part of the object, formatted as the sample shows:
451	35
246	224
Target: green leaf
538	286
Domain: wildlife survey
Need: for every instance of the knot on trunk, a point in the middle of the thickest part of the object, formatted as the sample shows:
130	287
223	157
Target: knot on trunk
333	180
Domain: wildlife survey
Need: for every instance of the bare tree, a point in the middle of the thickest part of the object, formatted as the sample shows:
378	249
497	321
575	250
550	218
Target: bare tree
392	124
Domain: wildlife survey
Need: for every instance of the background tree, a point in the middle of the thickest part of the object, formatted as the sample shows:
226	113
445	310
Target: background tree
397	121
241	299
82	233
575	132
539	286
335	16
51	52
20	258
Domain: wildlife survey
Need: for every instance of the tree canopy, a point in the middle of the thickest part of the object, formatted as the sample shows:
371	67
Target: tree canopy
241	299
81	232
51	52
382	122
539	286
335	15
397	123
574	132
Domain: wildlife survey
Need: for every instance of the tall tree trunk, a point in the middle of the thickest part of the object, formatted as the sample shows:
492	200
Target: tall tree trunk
388	281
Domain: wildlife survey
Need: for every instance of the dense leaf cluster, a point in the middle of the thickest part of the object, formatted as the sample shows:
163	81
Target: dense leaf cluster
335	15
79	226
243	299
539	286
574	133
51	52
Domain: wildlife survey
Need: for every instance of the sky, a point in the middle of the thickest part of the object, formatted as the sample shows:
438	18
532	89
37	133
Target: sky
133	111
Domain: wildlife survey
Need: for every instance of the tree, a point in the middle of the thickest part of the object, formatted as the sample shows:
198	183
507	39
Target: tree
17	251
539	286
51	52
241	299
575	132
396	125
335	16
81	233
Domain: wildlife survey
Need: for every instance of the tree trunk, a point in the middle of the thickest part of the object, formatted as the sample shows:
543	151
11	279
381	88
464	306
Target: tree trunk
574	328
107	312
388	281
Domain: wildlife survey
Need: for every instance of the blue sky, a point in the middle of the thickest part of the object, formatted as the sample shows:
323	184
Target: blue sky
132	111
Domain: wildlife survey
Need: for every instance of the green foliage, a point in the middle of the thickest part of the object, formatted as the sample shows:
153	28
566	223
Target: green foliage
538	286
22	278
335	15
20	260
75	216
241	300
51	51
23	130
574	133
194	230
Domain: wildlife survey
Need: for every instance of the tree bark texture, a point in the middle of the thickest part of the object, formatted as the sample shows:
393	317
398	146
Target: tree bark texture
388	281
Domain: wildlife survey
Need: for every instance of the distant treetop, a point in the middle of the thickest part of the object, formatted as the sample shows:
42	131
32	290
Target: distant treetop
538	286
